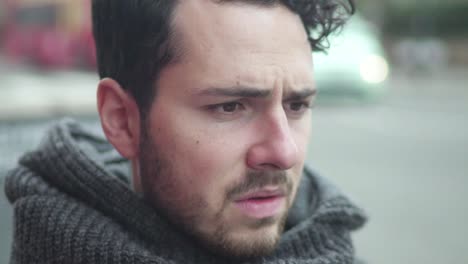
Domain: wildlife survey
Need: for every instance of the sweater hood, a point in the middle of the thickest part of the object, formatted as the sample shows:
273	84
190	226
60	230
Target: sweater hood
74	191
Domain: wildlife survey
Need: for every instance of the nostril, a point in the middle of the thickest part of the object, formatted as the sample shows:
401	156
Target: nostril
269	155
276	148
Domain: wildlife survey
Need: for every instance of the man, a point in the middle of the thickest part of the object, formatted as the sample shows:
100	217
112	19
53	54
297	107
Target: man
210	102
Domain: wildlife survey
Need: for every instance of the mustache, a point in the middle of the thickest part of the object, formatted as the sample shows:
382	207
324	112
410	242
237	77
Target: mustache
259	179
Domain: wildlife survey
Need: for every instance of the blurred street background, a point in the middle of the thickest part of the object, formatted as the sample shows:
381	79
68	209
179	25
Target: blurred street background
390	127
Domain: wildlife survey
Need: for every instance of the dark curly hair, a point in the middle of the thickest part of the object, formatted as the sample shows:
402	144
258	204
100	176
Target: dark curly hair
134	40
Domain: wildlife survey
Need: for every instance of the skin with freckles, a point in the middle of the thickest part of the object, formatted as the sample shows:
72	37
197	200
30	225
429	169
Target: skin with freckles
223	147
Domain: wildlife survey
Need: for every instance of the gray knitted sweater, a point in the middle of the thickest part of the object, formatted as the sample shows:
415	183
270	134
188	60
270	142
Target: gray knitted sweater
73	203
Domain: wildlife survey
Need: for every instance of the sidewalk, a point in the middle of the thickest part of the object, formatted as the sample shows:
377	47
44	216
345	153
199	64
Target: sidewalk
29	93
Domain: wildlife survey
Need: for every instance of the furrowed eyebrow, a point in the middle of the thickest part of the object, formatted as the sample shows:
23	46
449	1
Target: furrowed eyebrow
300	95
256	93
237	92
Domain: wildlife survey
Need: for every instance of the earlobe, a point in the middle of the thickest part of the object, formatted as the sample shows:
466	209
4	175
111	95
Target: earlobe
120	117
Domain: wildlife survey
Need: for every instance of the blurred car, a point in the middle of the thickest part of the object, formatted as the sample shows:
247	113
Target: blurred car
355	65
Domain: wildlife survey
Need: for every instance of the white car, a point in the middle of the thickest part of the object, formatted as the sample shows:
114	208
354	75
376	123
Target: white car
355	64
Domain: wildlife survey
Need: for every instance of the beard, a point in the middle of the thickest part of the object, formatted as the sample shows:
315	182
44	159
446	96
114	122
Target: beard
190	212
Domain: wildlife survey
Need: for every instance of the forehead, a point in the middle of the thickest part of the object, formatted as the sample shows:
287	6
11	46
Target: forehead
241	39
209	25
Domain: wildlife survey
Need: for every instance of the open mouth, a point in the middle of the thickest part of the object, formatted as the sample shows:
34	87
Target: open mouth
262	199
261	204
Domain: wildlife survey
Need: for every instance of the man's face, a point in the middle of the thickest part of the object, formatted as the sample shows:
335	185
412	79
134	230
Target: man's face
224	143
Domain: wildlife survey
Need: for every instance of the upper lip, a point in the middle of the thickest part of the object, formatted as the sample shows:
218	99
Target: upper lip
261	193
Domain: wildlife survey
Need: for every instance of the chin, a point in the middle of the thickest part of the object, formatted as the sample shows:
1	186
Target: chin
255	241
254	245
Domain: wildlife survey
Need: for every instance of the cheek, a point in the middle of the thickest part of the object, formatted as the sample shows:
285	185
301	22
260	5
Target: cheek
201	158
215	162
209	167
302	134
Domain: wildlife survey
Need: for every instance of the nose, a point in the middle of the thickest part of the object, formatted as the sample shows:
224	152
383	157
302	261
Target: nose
275	148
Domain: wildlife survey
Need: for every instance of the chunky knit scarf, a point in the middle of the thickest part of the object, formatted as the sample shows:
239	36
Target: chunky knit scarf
73	203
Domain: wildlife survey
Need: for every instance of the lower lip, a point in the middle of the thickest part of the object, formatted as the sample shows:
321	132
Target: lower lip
261	208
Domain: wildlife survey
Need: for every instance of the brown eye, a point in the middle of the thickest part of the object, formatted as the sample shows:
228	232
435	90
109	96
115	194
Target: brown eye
297	109
230	107
297	106
228	111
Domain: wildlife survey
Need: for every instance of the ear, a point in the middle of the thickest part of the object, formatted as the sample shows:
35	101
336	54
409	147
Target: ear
120	118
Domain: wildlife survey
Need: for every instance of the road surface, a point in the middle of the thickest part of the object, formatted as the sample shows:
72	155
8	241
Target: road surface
406	162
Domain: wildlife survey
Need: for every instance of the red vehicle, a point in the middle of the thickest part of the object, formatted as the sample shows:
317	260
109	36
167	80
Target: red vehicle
50	33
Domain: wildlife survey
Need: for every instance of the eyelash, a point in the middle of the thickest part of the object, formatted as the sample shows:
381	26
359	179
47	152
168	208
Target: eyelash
219	108
305	104
216	107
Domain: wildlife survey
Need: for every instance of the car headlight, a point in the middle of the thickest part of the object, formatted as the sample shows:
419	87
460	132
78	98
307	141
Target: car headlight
374	69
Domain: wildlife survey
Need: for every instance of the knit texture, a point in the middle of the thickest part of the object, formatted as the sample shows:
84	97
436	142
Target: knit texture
73	203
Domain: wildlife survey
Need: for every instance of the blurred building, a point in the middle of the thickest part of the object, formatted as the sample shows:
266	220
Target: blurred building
49	33
421	35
